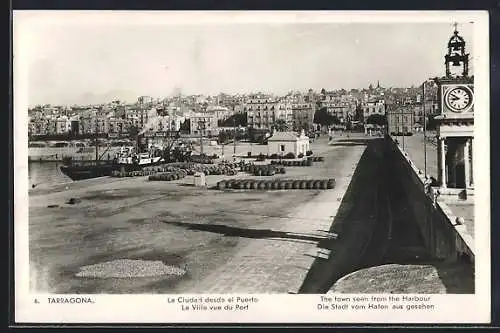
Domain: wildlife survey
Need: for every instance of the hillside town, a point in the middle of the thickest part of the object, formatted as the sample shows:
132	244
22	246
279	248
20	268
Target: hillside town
196	115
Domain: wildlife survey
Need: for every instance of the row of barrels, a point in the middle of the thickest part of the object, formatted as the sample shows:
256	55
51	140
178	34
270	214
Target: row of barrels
277	184
213	170
316	158
168	176
293	163
138	173
262	170
228	169
201	159
161	168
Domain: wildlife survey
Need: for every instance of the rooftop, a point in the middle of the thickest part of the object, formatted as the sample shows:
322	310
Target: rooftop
284	136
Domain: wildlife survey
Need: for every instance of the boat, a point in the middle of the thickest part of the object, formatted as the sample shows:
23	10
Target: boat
79	170
129	160
126	160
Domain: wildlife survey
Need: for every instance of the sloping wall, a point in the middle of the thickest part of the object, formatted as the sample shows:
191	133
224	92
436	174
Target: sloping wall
442	237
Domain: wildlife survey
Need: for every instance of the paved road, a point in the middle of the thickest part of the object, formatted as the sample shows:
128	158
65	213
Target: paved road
357	225
270	266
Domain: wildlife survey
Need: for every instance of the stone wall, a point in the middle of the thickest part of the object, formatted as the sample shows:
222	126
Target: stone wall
442	237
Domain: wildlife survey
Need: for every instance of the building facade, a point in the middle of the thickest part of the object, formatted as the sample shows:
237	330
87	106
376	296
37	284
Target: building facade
303	116
204	124
400	120
261	111
372	107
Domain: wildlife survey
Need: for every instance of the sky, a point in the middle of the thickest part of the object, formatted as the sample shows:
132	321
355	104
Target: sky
81	61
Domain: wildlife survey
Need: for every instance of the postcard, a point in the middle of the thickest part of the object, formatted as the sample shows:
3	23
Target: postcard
251	167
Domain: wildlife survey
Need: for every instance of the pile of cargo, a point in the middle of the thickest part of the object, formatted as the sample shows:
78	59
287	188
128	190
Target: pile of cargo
137	173
262	170
277	184
191	168
293	163
218	169
168	176
306	162
316	158
203	159
164	167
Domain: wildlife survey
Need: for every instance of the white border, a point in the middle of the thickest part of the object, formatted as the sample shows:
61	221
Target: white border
271	308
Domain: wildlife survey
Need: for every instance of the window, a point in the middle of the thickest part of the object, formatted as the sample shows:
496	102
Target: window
282	148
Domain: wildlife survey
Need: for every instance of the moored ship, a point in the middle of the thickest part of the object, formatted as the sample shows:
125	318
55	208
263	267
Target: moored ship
87	169
127	160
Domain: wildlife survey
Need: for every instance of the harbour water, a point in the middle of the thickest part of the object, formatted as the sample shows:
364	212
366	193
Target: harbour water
46	173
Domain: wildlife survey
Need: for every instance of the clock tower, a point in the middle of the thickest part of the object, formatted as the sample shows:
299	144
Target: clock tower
455	132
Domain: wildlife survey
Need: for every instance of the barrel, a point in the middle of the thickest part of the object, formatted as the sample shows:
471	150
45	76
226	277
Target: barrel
221	185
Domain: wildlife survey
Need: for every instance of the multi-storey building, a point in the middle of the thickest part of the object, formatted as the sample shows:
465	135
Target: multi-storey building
118	126
261	111
165	123
92	124
204	124
220	112
372	107
418	113
284	113
226	100
400	119
303	115
39	126
51	126
63	125
341	108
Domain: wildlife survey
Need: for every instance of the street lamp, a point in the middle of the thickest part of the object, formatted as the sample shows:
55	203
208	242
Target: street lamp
431	80
403	127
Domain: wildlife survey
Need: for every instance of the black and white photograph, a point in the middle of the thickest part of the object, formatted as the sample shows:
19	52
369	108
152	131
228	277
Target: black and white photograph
253	153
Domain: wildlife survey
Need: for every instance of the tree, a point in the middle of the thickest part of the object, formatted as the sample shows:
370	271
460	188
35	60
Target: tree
133	131
377	119
323	118
280	125
223	137
185	126
334	120
237	119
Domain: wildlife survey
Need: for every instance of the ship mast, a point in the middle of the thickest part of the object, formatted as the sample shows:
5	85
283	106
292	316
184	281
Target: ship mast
141	108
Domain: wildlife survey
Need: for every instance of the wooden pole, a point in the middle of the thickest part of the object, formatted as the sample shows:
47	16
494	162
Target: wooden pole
234	138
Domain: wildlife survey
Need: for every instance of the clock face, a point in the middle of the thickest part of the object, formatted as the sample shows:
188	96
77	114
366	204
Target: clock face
458	99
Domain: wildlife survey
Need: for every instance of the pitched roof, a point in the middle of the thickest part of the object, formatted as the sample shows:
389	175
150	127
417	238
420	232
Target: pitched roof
284	136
